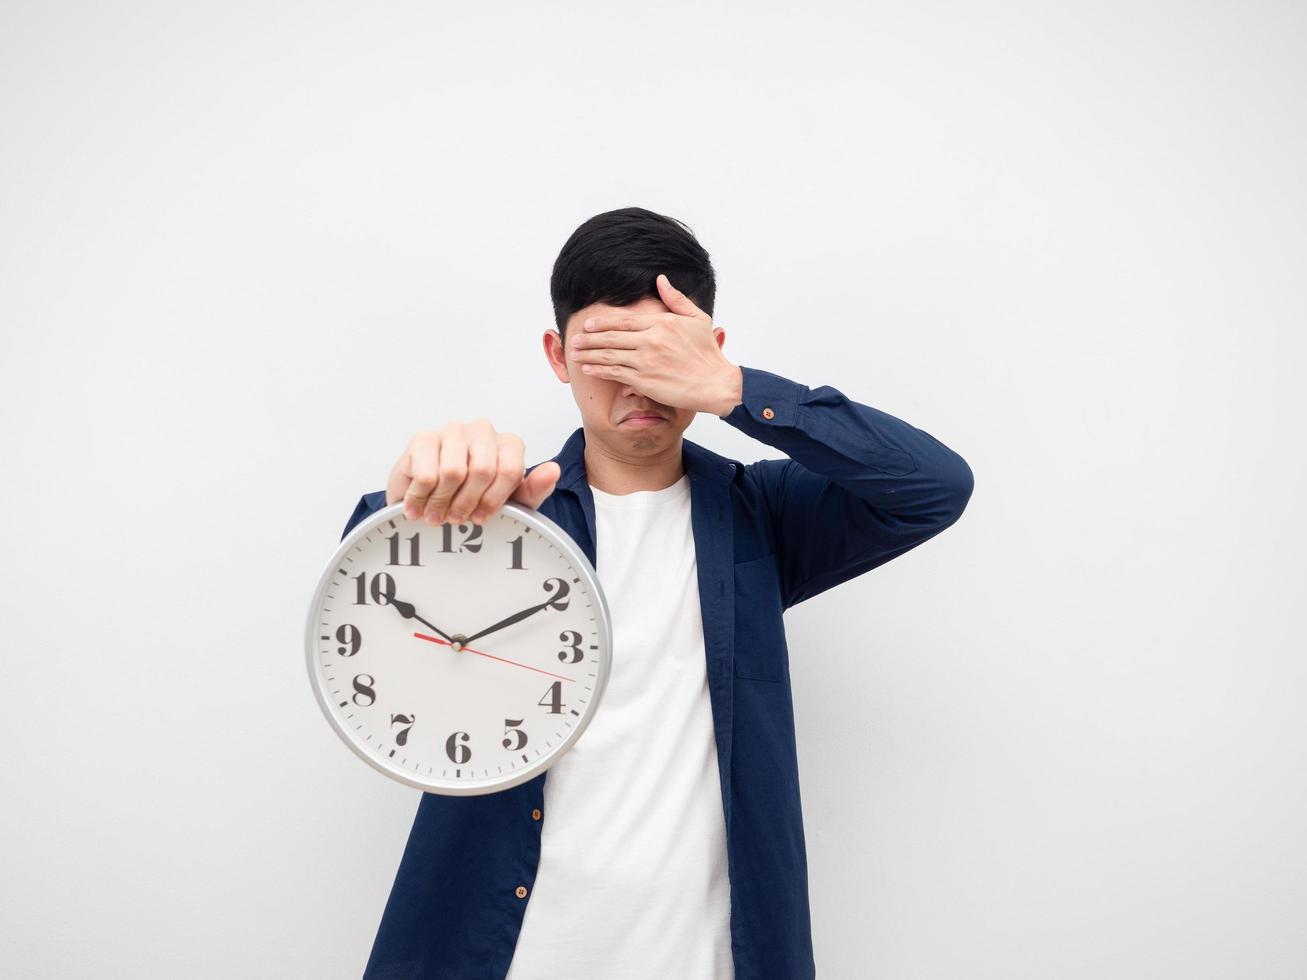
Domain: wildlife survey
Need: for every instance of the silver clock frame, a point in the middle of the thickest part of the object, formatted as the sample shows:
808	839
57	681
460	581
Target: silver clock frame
440	786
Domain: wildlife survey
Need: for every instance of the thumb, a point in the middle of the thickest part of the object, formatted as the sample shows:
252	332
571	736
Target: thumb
537	485
677	301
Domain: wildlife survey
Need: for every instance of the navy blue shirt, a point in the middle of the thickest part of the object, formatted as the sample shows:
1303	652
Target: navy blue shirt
859	487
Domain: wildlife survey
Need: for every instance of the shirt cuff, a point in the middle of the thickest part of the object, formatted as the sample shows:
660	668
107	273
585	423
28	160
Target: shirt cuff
767	400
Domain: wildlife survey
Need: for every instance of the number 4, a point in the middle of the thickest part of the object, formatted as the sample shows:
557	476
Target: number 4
555	696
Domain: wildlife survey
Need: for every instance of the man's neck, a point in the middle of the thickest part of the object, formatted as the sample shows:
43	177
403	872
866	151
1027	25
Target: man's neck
621	474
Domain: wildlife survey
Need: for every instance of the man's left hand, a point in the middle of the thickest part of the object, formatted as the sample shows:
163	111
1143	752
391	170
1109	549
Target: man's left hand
672	358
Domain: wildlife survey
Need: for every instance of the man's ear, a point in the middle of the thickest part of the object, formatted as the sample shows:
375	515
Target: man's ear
556	355
720	336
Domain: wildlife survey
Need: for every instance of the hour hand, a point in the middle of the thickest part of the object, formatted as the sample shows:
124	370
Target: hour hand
406	610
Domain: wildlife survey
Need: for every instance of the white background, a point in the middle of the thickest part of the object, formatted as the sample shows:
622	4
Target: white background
246	250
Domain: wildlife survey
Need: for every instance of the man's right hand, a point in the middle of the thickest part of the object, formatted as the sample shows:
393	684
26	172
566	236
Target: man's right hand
466	470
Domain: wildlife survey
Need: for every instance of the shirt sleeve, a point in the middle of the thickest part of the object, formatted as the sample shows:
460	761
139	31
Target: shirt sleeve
860	487
369	503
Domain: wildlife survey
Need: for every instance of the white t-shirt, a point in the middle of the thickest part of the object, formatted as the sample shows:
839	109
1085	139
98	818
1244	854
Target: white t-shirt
632	881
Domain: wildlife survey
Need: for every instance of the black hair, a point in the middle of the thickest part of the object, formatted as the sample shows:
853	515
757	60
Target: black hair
615	258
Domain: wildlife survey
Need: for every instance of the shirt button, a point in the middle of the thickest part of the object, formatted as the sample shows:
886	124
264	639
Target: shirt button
767	413
521	891
535	814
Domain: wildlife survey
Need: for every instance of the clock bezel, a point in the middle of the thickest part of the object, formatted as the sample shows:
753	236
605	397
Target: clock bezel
437	785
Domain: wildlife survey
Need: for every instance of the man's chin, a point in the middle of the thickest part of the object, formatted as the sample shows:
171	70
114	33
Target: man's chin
646	438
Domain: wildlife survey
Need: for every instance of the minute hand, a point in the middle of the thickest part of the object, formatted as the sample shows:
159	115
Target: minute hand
515	618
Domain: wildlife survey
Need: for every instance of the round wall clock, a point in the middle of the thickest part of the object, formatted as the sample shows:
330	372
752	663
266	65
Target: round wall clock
459	659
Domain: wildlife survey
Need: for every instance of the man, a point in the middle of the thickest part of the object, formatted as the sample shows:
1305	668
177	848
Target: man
668	843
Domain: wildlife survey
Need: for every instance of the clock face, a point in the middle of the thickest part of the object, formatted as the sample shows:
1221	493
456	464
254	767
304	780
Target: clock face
459	659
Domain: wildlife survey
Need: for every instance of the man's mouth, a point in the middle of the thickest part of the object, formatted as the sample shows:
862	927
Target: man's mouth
643	418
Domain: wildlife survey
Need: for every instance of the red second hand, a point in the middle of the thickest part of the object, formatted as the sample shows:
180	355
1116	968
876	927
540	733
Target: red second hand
436	639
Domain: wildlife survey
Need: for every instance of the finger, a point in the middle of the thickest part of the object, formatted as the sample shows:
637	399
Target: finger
538	485
677	301
621	321
420	467
509	474
397	483
482	467
453	468
606	355
626	339
613	372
